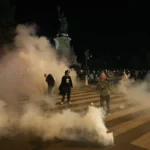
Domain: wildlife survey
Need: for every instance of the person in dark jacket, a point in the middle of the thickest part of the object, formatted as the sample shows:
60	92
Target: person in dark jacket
66	85
50	82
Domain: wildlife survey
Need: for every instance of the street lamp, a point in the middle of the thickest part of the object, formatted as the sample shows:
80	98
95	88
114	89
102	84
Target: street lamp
87	56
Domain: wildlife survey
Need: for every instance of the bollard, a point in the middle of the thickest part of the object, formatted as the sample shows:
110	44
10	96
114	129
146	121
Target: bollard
86	80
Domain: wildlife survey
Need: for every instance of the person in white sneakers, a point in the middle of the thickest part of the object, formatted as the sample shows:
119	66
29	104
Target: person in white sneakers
66	85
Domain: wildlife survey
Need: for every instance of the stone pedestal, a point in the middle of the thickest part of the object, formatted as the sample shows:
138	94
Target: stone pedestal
63	46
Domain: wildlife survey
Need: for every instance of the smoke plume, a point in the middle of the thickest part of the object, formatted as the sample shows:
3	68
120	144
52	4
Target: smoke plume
22	71
137	91
22	75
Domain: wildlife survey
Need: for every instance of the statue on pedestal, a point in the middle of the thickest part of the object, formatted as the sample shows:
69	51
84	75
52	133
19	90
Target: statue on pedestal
63	23
62	40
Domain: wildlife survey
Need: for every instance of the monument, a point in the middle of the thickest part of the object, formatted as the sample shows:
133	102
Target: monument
62	40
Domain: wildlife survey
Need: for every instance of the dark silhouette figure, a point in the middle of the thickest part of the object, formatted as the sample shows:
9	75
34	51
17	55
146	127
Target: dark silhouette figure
65	87
50	82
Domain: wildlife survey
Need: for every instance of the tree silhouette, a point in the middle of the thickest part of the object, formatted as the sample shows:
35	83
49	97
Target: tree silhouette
7	22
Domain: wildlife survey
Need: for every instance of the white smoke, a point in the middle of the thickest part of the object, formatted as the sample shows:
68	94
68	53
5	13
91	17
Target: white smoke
89	127
23	69
137	91
22	74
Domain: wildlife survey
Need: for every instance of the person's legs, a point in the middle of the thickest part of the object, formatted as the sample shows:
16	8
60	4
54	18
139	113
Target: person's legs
102	101
63	95
49	89
68	94
108	103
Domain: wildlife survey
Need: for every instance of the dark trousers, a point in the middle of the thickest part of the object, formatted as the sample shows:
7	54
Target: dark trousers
66	90
50	87
107	99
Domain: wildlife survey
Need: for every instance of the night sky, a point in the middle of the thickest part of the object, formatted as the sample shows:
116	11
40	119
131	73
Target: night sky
110	30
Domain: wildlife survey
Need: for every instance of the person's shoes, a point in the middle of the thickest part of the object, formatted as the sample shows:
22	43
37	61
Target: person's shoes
62	103
108	114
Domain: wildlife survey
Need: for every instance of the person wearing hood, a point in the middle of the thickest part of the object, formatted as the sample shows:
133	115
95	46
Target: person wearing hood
50	82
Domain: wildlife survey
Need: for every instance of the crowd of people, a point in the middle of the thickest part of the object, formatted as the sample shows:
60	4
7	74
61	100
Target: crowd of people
105	81
93	76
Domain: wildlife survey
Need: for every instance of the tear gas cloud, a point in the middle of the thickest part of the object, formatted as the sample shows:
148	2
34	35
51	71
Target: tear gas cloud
22	72
48	126
137	92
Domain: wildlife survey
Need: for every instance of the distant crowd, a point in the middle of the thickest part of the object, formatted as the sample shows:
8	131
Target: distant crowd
93	76
105	80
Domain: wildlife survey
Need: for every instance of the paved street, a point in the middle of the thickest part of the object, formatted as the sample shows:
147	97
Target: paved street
130	123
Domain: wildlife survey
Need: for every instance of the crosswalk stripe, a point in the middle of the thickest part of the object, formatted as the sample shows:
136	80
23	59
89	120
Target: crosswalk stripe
126	112
143	141
89	98
97	104
80	95
76	92
80	99
73	92
80	107
87	102
87	95
83	93
129	125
